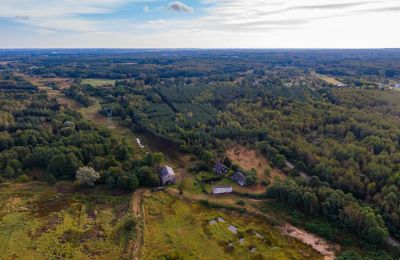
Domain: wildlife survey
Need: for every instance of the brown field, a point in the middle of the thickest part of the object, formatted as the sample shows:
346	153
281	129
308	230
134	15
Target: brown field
248	159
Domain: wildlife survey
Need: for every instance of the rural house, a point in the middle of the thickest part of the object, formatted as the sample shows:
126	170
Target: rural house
221	189
167	175
220	169
239	178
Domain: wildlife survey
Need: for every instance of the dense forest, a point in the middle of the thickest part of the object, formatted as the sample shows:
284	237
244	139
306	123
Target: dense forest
36	133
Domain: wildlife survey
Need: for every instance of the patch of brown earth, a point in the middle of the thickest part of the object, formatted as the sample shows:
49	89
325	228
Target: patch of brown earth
328	250
249	159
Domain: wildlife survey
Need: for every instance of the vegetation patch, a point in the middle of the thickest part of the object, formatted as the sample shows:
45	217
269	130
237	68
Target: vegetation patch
180	230
39	222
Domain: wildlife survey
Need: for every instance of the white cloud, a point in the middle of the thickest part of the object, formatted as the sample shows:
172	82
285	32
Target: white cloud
156	22
217	23
146	9
179	7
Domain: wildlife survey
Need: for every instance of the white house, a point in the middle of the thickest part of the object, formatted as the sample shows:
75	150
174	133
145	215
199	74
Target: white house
167	175
222	189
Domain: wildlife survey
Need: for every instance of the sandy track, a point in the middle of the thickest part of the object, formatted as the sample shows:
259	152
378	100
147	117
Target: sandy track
138	214
320	245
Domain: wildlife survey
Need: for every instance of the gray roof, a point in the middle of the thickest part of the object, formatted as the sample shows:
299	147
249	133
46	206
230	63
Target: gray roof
166	170
219	166
239	178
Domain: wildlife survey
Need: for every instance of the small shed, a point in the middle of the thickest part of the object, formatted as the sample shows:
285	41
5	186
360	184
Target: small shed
221	189
220	169
239	178
167	175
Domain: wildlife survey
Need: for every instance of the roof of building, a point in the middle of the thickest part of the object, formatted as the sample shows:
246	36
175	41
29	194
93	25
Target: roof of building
166	170
239	177
222	189
219	166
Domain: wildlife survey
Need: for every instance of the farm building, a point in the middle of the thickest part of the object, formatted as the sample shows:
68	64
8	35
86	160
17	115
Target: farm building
239	178
220	169
222	189
167	175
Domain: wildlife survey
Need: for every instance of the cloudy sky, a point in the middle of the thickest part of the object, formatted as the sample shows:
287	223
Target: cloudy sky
199	24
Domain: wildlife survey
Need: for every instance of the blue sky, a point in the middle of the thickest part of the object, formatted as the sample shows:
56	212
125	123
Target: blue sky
199	24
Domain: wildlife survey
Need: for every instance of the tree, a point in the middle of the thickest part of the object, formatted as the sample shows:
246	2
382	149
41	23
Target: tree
148	177
9	172
87	176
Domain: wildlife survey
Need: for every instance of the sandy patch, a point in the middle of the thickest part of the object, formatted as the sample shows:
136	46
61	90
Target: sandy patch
328	250
249	158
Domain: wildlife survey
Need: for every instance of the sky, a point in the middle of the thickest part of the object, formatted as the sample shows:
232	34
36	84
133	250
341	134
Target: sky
199	24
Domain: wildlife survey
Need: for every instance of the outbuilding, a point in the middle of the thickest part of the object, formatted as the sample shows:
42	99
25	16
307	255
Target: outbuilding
221	189
167	175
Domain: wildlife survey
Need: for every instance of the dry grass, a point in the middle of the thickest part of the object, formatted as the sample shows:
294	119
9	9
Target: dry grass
249	159
38	221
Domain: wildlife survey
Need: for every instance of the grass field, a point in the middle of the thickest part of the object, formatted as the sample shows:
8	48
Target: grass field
175	229
38	221
98	82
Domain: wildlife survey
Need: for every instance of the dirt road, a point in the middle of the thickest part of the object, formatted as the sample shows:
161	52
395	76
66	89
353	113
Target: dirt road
137	212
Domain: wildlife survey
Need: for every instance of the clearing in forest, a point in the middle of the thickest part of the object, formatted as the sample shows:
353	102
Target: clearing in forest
248	159
328	79
98	82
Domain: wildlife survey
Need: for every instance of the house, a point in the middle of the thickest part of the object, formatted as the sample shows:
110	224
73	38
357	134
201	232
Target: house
167	175
221	189
220	169
239	178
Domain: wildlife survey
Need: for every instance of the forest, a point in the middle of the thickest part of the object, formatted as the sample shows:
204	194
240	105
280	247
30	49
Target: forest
36	133
344	138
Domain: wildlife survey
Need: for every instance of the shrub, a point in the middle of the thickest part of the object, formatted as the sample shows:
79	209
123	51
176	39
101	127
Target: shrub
87	176
22	179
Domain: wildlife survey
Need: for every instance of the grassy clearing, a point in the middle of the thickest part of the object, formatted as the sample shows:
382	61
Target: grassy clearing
38	221
328	79
98	82
175	229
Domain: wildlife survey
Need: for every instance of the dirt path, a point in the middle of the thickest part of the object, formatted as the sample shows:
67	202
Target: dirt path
138	214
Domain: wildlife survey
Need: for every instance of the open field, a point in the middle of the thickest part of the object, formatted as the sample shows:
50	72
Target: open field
181	230
38	221
328	79
98	82
248	159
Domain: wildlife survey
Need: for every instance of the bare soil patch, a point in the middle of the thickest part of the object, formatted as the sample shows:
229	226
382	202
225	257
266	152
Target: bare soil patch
248	159
328	250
